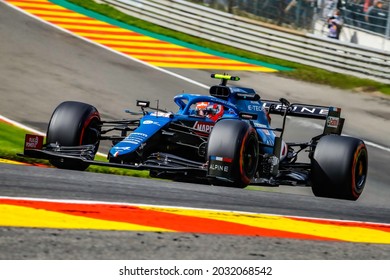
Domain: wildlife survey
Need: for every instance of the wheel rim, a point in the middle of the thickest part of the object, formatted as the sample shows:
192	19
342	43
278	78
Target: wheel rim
91	130
250	156
360	169
360	172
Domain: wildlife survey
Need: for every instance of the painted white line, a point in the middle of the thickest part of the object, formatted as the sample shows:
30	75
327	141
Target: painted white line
22	126
320	127
29	129
368	143
111	50
146	64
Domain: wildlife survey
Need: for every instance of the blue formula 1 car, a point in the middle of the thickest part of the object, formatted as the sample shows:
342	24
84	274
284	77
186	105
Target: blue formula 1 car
222	139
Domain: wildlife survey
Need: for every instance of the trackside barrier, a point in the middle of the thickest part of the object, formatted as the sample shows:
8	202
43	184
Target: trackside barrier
258	37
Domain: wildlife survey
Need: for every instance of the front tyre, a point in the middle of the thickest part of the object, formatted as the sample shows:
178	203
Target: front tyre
73	124
232	152
339	167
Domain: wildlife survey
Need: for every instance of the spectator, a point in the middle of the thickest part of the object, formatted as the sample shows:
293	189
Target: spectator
376	17
329	7
354	13
367	4
335	24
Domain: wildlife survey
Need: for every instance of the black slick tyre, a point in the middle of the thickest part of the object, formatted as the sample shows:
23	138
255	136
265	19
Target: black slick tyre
232	153
73	124
339	167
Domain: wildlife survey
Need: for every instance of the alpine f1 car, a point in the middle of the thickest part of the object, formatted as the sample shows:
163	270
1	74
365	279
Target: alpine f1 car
222	139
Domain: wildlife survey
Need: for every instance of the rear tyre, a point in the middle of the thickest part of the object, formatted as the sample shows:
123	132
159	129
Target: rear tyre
339	167
232	152
73	124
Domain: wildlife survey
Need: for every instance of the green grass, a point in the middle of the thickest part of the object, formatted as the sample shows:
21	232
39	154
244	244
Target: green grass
301	72
12	143
11	137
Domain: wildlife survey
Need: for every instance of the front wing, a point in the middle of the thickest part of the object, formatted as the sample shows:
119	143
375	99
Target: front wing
159	161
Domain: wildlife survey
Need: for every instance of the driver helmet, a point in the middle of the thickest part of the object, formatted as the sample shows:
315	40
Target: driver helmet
210	110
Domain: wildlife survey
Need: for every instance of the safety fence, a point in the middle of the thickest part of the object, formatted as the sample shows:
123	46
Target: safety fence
258	37
369	15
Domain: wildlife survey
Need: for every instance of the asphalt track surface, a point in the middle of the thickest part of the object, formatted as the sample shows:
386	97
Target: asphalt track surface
40	67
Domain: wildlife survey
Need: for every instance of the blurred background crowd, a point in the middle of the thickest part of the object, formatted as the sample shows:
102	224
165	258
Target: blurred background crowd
366	15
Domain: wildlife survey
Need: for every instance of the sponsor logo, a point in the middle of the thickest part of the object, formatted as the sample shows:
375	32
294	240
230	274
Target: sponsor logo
203	126
219	167
161	114
243	95
134	141
266	132
332	122
298	109
135	138
151	122
119	149
257	108
260	125
139	134
33	142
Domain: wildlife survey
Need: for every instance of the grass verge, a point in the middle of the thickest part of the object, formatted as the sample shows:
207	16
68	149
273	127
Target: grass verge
12	143
301	72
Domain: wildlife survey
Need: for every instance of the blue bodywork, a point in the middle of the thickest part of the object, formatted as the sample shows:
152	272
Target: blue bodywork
239	101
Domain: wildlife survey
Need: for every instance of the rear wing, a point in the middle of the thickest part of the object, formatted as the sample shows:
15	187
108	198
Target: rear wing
333	124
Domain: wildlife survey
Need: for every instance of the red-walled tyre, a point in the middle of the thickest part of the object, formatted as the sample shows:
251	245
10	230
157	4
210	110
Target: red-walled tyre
339	167
73	124
232	152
